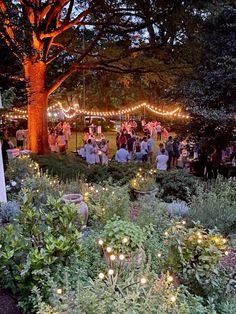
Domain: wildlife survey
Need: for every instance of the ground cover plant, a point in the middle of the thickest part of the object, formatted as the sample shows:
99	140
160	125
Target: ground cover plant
131	258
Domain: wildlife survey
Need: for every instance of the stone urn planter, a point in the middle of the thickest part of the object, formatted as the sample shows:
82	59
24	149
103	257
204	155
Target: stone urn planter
77	199
151	195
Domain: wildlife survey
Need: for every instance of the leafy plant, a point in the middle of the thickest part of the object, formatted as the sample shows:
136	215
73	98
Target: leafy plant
124	236
144	181
36	242
106	201
193	254
176	185
215	207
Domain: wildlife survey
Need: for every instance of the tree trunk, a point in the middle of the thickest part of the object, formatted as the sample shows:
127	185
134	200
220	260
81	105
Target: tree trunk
35	75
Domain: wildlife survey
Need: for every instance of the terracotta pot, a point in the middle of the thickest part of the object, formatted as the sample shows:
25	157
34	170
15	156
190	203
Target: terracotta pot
77	199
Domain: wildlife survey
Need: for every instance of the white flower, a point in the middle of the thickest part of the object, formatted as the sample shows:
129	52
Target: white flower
8	188
13	183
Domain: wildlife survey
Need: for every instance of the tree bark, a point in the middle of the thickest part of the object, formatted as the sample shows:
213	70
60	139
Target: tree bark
35	76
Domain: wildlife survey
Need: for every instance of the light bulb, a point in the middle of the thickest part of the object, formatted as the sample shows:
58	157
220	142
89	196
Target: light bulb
159	255
109	249
226	253
59	291
100	242
110	272
199	241
166	233
125	240
173	298
121	257
170	278
112	257
184	222
101	276
224	240
143	280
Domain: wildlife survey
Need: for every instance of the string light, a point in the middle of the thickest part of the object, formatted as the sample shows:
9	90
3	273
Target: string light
159	255
59	291
74	110
226	253
170	278
112	257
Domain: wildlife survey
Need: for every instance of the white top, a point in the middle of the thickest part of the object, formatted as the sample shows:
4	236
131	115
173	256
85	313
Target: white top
122	155
162	162
20	134
144	148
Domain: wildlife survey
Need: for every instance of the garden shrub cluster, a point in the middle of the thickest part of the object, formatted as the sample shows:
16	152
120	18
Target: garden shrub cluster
132	257
216	206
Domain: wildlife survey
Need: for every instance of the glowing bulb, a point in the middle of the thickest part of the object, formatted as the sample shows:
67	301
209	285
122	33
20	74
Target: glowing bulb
159	254
109	249
224	240
226	253
121	257
166	233
112	257
199	241
125	240
198	233
184	222
173	298
143	280
86	194
100	242
59	291
110	272
170	278
101	276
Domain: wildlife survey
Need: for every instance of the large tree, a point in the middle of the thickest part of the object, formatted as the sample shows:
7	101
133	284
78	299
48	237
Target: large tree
40	32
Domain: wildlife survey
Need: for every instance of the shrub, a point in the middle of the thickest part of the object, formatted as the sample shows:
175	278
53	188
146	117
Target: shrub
176	185
106	201
121	295
216	207
123	236
144	181
193	255
69	167
36	242
8	211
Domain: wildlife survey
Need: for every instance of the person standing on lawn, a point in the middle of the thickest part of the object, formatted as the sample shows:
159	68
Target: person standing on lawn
162	160
150	144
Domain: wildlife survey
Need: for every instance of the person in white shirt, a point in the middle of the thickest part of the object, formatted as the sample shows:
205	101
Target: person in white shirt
122	155
20	135
150	144
162	160
144	149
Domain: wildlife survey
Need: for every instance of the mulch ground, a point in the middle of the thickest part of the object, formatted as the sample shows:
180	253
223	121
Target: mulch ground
8	304
229	261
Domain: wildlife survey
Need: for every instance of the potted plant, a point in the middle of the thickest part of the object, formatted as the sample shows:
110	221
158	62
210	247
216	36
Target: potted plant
77	199
144	184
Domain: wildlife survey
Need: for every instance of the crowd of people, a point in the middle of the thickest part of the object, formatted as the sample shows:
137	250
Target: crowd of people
95	150
59	136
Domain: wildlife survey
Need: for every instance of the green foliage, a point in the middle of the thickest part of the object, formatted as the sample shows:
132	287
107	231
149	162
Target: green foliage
176	185
215	207
123	236
37	241
144	181
194	256
69	167
106	201
121	296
